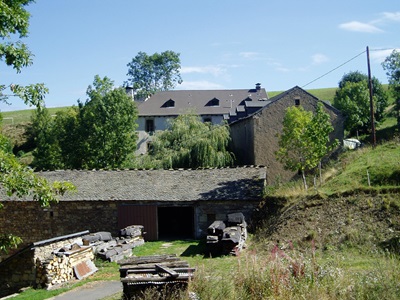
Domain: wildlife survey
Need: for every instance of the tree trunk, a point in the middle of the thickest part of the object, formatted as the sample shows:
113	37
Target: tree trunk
304	180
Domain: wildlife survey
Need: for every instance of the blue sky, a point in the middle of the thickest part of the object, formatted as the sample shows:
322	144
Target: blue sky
225	44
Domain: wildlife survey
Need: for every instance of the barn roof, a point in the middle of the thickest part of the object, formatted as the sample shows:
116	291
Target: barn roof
242	183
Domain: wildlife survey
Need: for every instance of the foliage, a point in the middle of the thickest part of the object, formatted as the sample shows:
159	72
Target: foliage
154	73
102	128
14	20
15	179
380	96
392	67
305	139
190	143
353	99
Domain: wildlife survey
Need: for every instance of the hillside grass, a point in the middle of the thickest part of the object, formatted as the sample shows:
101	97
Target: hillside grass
24	116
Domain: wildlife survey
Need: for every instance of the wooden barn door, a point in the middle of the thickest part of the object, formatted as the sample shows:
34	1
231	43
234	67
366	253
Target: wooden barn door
145	215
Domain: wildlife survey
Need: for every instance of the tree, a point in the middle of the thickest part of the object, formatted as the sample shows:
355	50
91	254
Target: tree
154	73
190	143
47	154
380	95
305	139
108	124
16	179
102	130
354	100
392	67
14	21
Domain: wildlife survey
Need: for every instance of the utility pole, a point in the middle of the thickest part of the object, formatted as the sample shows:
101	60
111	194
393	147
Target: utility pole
371	102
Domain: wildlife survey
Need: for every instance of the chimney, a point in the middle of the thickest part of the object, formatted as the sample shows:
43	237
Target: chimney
258	86
129	91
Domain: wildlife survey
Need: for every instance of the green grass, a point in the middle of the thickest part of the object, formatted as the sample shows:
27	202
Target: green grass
381	164
326	94
24	116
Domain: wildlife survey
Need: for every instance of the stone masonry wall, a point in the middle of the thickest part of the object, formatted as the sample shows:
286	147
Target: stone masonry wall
33	223
20	271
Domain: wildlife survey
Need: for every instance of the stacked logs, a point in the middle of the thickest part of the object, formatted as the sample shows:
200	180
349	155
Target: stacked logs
60	268
53	271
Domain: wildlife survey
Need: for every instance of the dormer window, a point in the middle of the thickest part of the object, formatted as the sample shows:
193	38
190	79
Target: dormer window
169	103
213	102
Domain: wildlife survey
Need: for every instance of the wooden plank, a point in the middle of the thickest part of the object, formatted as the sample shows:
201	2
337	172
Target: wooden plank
167	270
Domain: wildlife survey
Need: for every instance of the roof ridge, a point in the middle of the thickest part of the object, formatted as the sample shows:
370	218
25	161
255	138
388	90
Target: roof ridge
153	169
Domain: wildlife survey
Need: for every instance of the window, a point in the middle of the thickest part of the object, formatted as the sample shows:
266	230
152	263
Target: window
207	119
149	125
169	103
297	101
213	102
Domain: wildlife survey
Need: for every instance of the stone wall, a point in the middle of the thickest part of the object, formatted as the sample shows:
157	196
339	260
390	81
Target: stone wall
266	126
20	270
32	223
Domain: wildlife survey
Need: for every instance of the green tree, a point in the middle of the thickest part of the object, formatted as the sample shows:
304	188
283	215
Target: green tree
16	179
380	96
190	143
354	101
305	139
103	131
149	74
392	67
108	124
14	22
47	154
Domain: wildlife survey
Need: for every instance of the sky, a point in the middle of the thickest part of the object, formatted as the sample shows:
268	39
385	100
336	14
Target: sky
224	44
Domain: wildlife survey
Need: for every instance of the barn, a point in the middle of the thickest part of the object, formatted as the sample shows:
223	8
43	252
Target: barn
168	203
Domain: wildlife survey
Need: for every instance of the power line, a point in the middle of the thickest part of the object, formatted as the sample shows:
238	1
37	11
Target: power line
334	68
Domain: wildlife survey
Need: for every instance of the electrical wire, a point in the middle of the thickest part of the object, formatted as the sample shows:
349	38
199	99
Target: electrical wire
346	62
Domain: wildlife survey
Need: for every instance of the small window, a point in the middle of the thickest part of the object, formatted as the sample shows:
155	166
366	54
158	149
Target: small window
169	103
149	125
207	120
297	101
213	102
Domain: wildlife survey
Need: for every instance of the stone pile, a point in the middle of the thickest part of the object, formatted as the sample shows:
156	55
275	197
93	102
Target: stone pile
114	249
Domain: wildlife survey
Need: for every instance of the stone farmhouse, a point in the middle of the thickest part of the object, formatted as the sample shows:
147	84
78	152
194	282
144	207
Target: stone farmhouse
215	106
255	120
255	137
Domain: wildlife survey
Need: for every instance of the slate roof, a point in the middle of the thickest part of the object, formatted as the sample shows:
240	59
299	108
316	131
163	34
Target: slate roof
242	183
252	113
198	101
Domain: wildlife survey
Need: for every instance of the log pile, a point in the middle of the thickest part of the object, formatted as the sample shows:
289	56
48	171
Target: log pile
63	266
76	261
162	271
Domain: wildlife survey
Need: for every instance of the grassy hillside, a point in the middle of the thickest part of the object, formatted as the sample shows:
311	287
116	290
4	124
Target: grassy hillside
326	94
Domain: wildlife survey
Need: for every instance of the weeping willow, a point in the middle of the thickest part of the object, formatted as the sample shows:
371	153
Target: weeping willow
190	143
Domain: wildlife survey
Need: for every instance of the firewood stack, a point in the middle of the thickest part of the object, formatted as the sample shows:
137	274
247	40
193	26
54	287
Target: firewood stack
65	264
